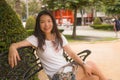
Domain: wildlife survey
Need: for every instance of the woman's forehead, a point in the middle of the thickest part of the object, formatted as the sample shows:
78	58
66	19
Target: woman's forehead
45	17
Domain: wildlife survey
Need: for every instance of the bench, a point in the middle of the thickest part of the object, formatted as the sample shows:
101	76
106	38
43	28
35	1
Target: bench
29	65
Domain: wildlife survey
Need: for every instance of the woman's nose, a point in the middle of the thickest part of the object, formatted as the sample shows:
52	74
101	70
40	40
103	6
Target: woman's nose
46	24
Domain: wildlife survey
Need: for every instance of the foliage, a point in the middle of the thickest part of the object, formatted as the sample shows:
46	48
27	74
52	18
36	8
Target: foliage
114	8
11	31
97	21
30	23
30	31
34	6
103	27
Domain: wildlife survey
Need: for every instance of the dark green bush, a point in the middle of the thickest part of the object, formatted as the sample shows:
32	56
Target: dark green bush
97	21
30	31
61	30
30	23
11	31
103	27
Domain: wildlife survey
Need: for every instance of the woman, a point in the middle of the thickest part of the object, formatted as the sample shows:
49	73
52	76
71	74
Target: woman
50	44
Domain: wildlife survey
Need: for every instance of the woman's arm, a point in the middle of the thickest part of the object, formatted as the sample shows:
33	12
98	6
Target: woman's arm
77	59
13	55
73	54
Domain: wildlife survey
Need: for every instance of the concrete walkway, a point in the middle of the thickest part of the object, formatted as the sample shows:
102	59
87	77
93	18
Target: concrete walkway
105	54
88	31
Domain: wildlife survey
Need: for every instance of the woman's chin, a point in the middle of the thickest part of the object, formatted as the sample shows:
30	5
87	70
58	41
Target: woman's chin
47	32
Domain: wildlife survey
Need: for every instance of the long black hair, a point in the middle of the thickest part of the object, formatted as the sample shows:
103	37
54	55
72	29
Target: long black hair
40	34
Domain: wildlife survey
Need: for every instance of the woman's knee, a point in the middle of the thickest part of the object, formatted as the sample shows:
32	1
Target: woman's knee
95	77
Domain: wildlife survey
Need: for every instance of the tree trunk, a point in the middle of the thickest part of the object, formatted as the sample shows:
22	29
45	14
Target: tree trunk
18	8
74	25
82	18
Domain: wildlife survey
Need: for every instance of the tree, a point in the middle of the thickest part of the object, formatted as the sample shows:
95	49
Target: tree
18	8
75	5
34	7
113	7
66	4
95	5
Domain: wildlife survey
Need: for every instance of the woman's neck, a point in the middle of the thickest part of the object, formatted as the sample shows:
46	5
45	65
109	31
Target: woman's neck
50	37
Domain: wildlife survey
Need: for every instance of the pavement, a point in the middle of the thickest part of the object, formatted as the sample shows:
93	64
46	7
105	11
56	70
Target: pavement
106	55
88	31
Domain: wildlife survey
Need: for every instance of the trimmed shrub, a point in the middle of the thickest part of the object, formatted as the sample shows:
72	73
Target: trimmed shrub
30	23
61	30
11	31
11	28
103	27
97	21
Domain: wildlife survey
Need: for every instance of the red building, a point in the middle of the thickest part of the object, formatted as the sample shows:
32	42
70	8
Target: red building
64	17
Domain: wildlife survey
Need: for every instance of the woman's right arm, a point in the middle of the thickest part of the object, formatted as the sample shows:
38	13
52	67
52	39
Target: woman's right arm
13	55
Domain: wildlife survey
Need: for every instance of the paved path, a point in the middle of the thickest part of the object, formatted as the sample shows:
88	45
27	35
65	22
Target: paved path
88	31
105	54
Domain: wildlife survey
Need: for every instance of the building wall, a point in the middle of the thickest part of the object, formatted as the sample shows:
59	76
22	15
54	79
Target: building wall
64	17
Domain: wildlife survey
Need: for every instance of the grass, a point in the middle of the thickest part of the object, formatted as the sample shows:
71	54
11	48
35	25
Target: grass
88	38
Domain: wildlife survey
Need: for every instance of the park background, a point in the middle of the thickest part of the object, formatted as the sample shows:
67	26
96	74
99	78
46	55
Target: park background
79	18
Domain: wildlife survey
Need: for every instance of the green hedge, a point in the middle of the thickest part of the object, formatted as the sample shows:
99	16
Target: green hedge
97	21
103	27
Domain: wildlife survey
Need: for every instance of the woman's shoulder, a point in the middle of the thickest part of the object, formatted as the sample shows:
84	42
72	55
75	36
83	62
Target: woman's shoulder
32	37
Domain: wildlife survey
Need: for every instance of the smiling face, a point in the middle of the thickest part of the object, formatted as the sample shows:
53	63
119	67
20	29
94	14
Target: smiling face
46	24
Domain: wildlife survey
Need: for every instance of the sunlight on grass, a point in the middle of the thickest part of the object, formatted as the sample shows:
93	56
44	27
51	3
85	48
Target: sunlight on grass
88	39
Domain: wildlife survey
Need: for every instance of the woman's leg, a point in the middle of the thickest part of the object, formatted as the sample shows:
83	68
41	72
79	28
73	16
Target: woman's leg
93	77
96	71
80	75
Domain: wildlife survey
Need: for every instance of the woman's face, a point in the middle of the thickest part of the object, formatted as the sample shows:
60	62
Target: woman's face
46	24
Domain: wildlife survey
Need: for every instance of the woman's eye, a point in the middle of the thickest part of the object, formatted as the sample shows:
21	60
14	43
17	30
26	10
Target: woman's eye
49	21
41	22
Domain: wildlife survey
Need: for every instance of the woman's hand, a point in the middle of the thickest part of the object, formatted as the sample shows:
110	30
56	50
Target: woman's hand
13	56
87	69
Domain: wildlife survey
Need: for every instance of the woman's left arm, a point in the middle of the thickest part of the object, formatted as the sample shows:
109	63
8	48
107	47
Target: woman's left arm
77	59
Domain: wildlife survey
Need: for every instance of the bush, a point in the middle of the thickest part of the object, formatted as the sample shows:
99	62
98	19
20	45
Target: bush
11	31
30	32
97	21
30	23
103	27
